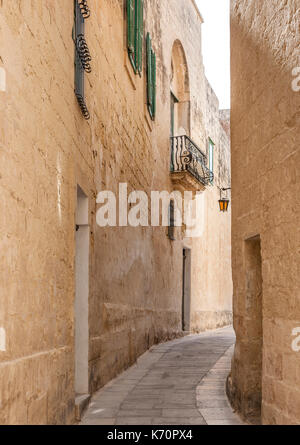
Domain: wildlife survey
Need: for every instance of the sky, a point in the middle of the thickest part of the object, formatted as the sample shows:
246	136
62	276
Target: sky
216	46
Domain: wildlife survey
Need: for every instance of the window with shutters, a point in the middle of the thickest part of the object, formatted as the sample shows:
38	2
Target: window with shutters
211	147
135	33
171	228
82	54
151	78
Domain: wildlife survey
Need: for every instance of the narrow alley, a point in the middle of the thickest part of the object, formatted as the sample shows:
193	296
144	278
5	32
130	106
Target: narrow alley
149	223
179	382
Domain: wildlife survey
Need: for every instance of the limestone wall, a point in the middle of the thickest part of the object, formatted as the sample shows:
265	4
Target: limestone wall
212	281
265	180
47	149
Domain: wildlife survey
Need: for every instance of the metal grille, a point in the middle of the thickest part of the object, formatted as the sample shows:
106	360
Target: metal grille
187	156
85	10
82	54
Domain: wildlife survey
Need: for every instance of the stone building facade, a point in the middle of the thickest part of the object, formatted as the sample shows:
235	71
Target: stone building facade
265	126
80	303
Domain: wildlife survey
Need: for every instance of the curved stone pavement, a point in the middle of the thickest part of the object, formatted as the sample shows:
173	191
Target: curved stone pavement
181	382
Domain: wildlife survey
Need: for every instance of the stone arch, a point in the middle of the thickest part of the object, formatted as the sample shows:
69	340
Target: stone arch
180	92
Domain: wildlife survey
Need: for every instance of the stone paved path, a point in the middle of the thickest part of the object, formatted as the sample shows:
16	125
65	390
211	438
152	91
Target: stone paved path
180	382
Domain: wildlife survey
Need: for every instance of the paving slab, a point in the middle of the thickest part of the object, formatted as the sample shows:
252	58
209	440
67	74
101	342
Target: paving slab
181	382
211	395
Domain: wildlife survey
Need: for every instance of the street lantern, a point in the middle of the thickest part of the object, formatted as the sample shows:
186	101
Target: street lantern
224	202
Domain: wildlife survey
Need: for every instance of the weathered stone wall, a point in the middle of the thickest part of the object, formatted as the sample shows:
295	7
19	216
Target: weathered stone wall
39	143
47	148
265	130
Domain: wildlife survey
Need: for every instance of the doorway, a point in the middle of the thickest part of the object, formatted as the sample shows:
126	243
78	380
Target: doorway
82	240
186	290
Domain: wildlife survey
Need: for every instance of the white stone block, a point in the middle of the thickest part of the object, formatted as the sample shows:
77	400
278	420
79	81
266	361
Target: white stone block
2	340
2	79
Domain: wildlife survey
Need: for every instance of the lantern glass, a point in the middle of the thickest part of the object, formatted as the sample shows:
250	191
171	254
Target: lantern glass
224	203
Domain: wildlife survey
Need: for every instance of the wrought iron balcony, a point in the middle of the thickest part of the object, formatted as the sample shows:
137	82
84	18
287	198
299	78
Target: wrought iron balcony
189	164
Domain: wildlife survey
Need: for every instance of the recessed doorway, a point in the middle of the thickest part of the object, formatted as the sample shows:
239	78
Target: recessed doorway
82	294
186	290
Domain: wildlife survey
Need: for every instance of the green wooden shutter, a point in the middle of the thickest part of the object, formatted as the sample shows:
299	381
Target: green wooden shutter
151	78
140	36
211	158
149	73
153	67
131	28
136	34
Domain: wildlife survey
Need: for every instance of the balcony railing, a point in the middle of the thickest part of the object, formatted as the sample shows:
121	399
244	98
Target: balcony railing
187	157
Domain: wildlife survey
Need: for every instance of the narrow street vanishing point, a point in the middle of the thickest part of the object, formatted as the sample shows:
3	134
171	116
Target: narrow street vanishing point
149	229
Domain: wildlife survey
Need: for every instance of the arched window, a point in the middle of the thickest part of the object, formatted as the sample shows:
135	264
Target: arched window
180	92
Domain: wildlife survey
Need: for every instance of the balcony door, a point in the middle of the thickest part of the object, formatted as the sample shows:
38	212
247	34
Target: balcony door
180	96
174	101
